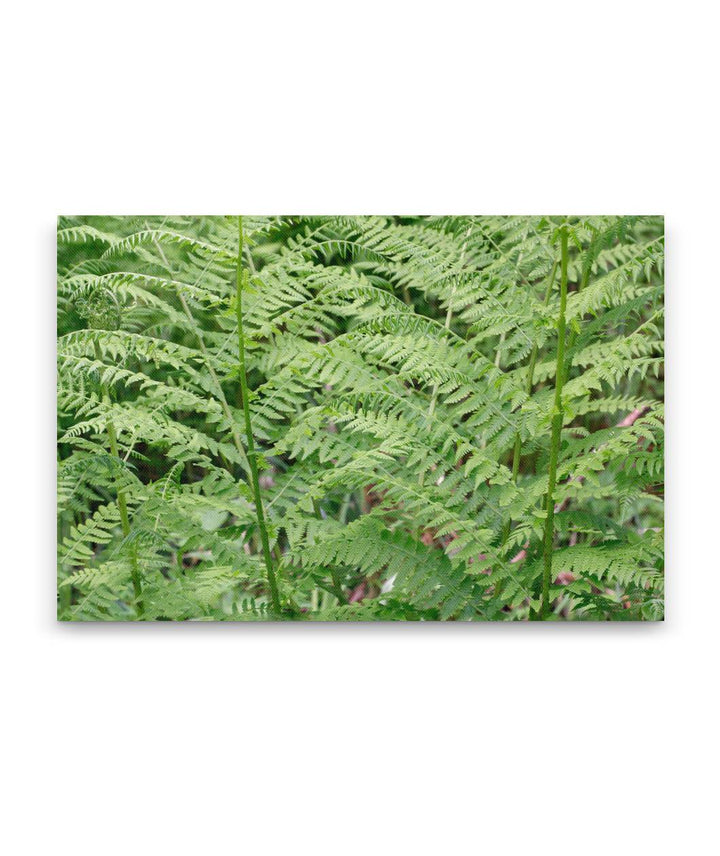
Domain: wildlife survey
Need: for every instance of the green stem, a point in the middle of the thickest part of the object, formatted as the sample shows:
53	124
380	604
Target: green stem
530	382
336	582
121	501
448	322
206	356
449	313
517	450
572	338
251	453
557	422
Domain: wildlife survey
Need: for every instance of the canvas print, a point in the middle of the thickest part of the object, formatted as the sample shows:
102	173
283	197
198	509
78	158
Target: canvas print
360	418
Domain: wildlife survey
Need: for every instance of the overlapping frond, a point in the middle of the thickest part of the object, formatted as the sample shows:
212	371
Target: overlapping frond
402	374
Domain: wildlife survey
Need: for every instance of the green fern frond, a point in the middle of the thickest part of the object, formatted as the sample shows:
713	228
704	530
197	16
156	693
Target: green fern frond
404	386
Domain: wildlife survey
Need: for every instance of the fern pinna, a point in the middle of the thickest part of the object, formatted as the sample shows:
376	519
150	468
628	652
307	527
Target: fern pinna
337	418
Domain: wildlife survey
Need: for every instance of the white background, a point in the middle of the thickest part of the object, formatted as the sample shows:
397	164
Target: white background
359	739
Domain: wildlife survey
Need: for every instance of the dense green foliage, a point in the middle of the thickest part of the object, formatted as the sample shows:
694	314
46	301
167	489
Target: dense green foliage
452	418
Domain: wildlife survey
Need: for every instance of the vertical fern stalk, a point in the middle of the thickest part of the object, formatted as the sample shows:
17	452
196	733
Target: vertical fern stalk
197	330
557	422
251	453
335	577
449	315
530	382
121	501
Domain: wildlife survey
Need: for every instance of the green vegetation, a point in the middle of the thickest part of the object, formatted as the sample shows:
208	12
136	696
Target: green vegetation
360	418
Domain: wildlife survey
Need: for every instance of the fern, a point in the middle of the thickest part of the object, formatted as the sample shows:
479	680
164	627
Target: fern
360	418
